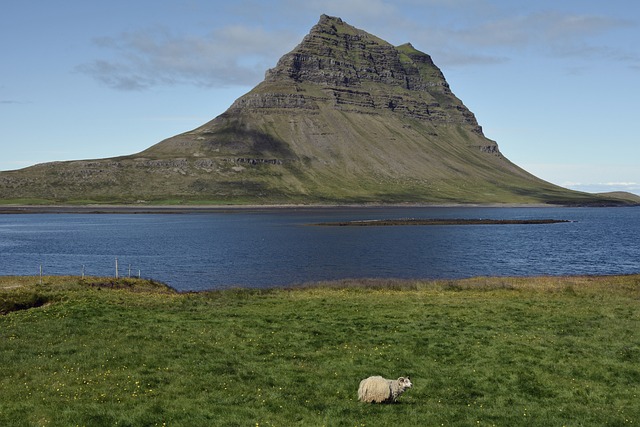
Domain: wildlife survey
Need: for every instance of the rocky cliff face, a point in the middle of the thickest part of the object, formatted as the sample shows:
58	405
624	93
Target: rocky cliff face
359	72
344	117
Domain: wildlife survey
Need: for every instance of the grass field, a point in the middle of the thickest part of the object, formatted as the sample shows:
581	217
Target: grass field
480	352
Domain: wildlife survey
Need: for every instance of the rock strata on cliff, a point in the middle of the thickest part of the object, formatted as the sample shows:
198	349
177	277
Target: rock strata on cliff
356	69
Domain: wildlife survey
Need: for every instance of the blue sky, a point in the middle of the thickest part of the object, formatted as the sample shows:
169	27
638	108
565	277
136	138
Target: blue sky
555	83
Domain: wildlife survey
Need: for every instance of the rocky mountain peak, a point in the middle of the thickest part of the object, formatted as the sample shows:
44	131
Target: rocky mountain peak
333	53
358	72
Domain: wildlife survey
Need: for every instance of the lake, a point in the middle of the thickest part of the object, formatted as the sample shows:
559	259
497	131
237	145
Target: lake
275	247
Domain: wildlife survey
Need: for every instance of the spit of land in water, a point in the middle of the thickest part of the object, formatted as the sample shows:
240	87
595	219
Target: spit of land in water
428	221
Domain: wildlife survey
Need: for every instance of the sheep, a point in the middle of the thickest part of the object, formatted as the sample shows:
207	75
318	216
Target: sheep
380	390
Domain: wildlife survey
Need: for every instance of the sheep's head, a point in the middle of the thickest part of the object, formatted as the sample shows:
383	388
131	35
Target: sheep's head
405	382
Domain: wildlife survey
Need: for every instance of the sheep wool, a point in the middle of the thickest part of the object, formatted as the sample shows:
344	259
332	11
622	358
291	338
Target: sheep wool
380	390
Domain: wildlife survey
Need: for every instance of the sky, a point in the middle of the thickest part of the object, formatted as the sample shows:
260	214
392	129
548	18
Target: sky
555	83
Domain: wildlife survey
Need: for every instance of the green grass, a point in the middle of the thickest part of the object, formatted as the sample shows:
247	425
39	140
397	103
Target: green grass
504	351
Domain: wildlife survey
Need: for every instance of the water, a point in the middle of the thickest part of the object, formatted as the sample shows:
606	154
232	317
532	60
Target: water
274	247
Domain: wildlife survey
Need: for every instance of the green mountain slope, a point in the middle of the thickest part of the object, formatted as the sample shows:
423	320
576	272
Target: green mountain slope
343	118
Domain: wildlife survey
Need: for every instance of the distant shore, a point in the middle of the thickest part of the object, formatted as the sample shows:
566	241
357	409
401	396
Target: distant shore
184	209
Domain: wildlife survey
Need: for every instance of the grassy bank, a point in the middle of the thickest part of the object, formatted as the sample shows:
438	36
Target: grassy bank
502	351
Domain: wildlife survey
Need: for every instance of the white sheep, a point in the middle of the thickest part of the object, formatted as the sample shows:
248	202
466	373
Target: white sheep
380	390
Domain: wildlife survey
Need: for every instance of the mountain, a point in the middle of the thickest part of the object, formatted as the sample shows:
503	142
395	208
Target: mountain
345	117
622	195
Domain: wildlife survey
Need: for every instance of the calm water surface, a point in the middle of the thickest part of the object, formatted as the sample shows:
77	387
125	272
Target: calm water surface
277	247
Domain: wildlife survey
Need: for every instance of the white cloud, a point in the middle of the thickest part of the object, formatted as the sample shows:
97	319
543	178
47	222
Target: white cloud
539	29
348	9
459	58
631	187
233	55
495	39
589	177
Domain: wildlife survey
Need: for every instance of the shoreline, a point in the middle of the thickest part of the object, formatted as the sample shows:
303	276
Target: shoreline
185	209
10	282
